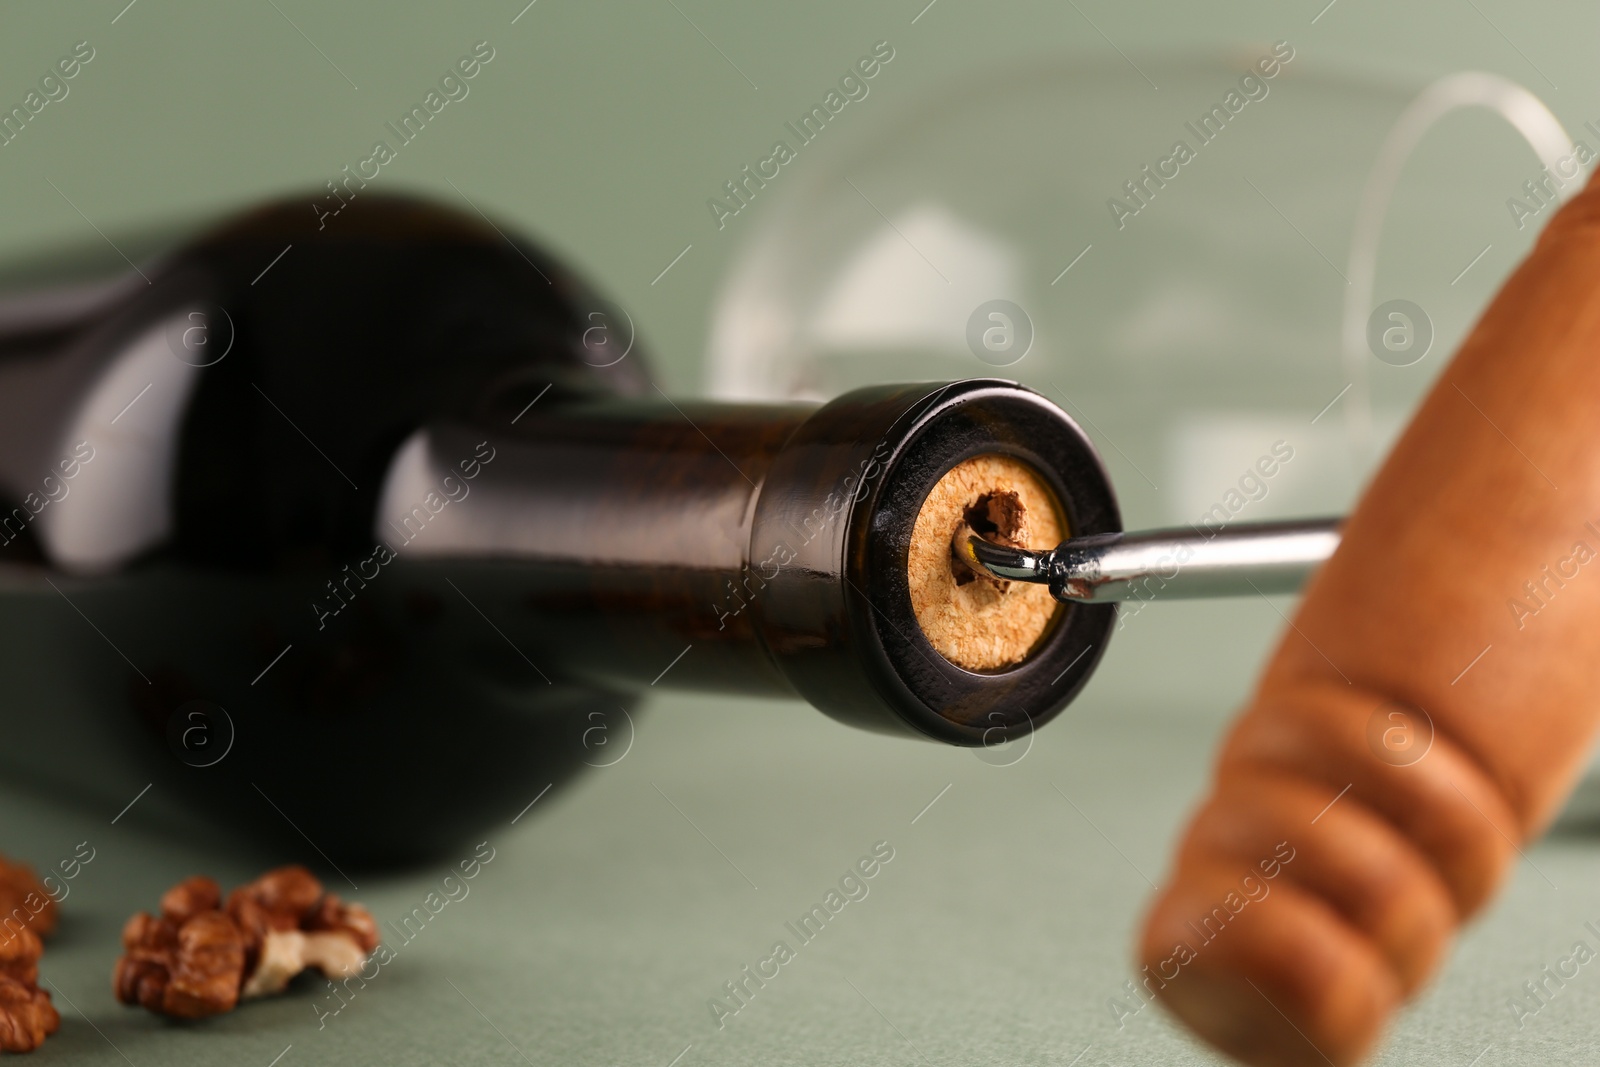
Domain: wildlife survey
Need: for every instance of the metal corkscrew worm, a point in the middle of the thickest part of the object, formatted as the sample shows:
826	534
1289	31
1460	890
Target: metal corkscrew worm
1268	557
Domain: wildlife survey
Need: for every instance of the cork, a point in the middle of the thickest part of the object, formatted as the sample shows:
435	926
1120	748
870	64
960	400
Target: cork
982	623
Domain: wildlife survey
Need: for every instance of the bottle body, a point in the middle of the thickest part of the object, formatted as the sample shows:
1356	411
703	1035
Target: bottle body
192	453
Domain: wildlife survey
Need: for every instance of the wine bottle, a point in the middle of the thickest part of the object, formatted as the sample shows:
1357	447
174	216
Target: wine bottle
354	529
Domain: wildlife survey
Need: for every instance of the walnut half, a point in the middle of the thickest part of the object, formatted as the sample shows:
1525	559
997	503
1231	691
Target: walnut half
199	957
26	1014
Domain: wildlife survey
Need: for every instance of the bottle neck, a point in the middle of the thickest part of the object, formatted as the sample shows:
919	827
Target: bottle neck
609	536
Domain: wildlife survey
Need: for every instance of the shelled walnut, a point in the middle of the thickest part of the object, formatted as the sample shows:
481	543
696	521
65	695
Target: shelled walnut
200	957
27	912
26	1014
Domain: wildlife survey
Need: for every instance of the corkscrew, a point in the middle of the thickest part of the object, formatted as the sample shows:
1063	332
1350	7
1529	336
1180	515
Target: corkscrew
1188	563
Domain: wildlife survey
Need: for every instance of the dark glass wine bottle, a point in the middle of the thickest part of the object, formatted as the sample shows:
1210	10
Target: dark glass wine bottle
354	529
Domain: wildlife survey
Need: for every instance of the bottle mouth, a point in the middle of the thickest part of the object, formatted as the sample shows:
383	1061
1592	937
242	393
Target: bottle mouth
872	626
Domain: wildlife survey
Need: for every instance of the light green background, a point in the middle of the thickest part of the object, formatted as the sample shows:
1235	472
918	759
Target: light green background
612	913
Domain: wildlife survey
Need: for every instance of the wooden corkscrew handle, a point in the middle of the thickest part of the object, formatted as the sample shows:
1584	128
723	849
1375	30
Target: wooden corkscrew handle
1429	708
